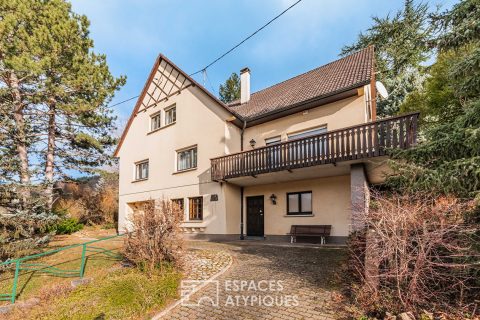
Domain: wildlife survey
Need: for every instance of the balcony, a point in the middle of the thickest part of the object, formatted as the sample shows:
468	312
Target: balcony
367	140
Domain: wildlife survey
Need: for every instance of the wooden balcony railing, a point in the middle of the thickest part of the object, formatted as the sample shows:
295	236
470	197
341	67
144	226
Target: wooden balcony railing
367	140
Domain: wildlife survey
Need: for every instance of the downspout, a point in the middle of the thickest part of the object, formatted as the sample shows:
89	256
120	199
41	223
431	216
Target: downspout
242	237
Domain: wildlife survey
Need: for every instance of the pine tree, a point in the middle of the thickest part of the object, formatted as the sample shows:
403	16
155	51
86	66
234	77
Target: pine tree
401	46
19	73
230	91
63	90
448	160
77	86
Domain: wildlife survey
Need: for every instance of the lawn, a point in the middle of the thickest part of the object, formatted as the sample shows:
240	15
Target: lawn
116	292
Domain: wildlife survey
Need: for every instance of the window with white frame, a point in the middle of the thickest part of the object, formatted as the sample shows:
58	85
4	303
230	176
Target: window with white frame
307	133
187	159
155	121
170	115
273	140
141	170
312	146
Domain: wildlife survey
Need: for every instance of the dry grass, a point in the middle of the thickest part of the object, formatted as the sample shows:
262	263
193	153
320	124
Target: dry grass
114	293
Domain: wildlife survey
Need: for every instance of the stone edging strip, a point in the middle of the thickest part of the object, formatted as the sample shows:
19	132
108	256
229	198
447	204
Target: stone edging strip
161	314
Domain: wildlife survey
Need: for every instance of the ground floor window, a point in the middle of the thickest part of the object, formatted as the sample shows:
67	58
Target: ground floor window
179	203
195	207
299	203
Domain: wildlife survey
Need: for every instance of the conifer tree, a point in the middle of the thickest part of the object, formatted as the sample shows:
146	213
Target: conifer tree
230	90
401	46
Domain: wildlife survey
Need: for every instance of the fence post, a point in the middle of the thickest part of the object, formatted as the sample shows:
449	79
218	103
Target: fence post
82	266
15	281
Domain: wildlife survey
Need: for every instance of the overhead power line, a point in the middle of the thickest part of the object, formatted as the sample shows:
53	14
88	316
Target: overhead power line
227	52
244	40
126	100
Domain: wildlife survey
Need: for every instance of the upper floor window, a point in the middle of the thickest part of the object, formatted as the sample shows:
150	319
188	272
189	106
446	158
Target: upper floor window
170	115
307	133
155	121
141	170
299	203
187	159
273	140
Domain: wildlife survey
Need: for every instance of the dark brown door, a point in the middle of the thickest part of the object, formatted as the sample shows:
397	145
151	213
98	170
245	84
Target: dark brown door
255	216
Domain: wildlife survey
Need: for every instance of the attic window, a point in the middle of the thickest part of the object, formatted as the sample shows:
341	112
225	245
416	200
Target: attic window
170	115
155	121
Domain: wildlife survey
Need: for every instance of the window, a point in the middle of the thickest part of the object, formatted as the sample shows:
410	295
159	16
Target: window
311	149
274	155
155	121
179	203
307	133
195	206
299	203
141	170
187	159
170	115
273	140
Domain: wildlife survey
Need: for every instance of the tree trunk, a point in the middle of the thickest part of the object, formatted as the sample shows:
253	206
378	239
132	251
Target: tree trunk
20	137
49	163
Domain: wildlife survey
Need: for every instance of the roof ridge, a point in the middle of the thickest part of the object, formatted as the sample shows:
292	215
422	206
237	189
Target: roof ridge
232	104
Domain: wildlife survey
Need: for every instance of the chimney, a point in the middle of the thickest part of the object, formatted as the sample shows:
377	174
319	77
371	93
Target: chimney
244	85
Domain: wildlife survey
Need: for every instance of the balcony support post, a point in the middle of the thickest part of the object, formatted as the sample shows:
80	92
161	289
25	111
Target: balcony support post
242	237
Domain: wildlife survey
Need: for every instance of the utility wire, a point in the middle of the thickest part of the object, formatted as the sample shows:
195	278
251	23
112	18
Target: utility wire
116	104
244	40
233	48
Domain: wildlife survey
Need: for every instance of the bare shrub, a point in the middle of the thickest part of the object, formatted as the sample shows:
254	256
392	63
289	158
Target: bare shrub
418	253
156	237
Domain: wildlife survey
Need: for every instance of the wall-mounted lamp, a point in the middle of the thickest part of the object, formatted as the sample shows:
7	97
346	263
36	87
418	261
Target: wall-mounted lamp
273	197
252	143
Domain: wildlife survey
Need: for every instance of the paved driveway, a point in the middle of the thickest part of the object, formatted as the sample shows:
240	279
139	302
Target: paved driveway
266	282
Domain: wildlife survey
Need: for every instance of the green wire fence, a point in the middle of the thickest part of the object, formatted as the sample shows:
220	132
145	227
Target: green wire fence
21	264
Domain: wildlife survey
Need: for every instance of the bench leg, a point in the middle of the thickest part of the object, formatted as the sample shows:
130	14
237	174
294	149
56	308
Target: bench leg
322	240
291	239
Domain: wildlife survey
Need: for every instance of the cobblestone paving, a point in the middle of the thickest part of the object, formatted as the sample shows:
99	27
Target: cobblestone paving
203	263
280	282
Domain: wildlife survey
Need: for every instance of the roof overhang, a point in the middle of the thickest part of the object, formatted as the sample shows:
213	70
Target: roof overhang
154	99
305	105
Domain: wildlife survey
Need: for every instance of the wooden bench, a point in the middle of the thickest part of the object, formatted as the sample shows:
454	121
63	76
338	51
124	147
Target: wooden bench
320	231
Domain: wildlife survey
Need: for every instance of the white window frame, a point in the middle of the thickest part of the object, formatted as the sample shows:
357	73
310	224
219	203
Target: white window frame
153	116
167	110
307	133
273	140
137	166
194	158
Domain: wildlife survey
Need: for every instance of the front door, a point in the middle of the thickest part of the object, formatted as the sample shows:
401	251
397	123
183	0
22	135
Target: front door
255	216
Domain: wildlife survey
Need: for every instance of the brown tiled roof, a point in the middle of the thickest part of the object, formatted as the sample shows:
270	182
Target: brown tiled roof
346	73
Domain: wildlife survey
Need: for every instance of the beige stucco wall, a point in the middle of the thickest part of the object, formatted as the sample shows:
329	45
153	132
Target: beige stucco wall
330	203
336	115
201	122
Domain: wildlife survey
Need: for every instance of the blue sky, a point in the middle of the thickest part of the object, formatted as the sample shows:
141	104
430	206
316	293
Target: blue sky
192	33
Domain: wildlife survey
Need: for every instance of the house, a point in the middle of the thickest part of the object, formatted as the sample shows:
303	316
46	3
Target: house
301	152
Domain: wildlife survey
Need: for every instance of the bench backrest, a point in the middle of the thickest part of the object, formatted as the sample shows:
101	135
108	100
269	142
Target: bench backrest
311	229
